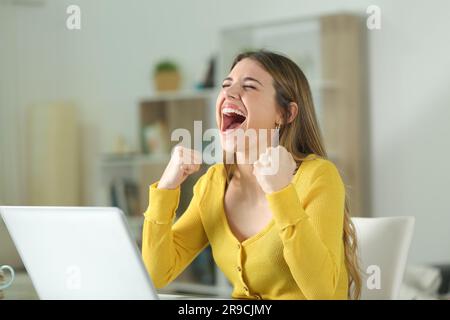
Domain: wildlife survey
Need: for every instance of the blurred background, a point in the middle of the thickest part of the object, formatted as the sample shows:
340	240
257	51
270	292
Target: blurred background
91	90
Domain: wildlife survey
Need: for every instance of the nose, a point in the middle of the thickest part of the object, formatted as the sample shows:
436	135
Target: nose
232	92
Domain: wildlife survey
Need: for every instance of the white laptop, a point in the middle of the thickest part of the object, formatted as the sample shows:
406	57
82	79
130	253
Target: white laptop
78	252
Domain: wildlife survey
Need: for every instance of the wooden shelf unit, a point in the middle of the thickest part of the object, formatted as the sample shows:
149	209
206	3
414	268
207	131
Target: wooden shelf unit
345	115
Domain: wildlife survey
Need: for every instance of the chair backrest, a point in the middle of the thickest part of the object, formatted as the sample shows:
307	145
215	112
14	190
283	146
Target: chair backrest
383	252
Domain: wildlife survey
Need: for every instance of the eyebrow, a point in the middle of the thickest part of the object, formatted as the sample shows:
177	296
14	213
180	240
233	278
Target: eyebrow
245	79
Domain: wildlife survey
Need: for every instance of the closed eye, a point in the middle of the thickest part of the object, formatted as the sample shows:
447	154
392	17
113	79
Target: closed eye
226	85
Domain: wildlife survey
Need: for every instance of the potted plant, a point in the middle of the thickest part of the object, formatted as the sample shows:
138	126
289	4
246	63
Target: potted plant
167	76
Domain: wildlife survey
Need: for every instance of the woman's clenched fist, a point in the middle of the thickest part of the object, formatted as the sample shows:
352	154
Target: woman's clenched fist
274	169
183	163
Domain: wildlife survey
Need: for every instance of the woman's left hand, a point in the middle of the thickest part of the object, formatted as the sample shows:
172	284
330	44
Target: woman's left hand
274	169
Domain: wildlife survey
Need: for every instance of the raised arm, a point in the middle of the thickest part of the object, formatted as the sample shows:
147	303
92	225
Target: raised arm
168	248
312	231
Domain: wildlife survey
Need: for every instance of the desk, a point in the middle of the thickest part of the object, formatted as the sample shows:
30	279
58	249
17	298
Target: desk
22	289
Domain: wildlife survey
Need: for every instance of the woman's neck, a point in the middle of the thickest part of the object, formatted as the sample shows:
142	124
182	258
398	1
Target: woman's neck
244	176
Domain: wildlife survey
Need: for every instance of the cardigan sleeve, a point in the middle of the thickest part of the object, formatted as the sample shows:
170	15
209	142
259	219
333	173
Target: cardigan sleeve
312	230
168	248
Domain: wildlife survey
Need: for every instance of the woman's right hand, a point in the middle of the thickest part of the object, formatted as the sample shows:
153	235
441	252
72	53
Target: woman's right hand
182	164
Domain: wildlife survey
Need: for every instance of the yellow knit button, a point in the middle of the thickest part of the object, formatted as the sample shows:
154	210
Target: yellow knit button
239	245
239	269
246	289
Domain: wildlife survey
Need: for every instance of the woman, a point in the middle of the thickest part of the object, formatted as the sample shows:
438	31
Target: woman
275	236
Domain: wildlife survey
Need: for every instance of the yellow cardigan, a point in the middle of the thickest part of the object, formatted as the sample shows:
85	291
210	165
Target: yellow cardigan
298	255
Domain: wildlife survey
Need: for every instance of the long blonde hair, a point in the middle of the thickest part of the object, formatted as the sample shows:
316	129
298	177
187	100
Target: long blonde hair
302	137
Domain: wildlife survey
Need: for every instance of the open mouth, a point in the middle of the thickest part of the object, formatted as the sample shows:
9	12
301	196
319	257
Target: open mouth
232	119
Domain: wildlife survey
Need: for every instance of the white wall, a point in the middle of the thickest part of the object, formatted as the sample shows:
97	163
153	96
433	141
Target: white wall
410	101
105	69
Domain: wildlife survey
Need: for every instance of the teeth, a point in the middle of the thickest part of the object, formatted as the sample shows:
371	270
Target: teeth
230	110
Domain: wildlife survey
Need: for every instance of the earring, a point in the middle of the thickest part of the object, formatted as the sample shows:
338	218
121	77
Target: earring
276	136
